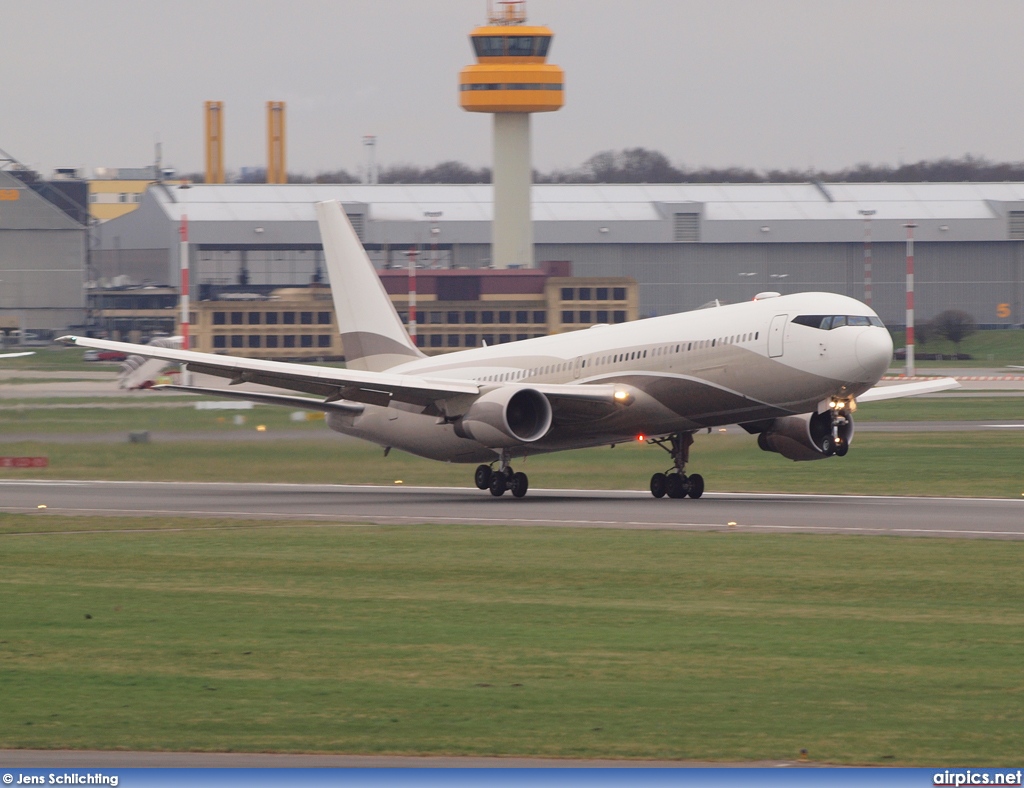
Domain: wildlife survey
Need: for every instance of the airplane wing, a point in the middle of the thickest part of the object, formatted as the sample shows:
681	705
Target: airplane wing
307	403
375	388
897	390
16	355
445	396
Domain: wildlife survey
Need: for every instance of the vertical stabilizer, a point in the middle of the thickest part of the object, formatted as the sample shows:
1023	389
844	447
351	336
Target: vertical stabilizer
371	331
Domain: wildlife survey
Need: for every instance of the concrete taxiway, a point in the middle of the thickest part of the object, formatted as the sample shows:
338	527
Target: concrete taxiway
619	509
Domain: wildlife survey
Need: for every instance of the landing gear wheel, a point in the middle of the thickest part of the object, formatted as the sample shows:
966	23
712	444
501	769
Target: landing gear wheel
842	448
676	485
828	446
482	477
658	482
696	486
519	484
498	484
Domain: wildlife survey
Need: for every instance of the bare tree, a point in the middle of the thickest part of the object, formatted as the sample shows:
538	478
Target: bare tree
642	165
924	331
335	176
955	325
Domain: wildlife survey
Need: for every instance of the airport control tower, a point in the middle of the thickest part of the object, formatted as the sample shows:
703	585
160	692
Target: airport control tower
510	80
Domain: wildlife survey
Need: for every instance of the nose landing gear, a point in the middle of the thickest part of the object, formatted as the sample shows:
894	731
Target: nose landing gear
674	482
840	433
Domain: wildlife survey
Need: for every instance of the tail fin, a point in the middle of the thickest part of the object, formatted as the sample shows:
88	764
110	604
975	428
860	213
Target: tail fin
371	330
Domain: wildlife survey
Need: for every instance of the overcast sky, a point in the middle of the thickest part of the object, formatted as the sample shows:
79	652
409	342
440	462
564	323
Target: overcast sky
754	83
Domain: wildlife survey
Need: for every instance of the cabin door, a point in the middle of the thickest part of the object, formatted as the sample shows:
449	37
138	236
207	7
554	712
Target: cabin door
775	335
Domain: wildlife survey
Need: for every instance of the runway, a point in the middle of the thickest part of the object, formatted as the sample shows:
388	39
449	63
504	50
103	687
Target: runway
284	504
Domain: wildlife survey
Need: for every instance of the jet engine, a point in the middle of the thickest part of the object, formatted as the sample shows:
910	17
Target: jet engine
808	436
506	417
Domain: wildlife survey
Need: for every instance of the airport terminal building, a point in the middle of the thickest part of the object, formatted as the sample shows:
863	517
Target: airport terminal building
684	244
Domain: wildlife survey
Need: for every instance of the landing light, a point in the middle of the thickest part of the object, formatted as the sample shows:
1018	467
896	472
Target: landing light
641	437
621	396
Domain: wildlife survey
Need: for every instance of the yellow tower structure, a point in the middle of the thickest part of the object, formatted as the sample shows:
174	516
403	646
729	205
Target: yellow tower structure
511	79
277	172
214	115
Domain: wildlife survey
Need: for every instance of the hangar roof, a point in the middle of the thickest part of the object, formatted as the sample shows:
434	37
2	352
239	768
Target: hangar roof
635	213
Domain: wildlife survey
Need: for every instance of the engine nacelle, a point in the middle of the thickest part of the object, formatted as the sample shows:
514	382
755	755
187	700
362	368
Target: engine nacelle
806	437
506	417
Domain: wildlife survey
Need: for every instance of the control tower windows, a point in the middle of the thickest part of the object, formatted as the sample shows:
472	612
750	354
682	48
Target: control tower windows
512	86
489	46
521	46
511	46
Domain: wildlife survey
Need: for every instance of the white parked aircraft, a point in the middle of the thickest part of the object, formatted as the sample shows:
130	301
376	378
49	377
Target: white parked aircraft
787	368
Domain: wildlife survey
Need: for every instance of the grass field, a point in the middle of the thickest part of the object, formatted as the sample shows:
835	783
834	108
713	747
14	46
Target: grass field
495	641
152	412
952	463
161	413
981	463
222	635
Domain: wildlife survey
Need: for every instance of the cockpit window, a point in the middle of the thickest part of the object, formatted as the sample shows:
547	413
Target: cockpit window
828	322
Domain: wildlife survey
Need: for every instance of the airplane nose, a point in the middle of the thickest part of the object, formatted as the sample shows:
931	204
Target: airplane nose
874	352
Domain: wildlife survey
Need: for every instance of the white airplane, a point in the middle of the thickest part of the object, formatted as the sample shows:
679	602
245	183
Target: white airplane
138	372
787	368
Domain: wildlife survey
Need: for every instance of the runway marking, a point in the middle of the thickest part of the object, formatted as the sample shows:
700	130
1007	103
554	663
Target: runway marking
407	489
369	520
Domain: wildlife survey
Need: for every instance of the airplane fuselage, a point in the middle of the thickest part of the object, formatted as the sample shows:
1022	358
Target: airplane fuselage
724	365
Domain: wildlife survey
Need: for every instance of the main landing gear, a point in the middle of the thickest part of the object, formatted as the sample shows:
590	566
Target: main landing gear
674	482
502	479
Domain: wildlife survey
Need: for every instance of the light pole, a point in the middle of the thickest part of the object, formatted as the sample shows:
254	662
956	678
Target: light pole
433	217
186	379
412	294
867	214
910	299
